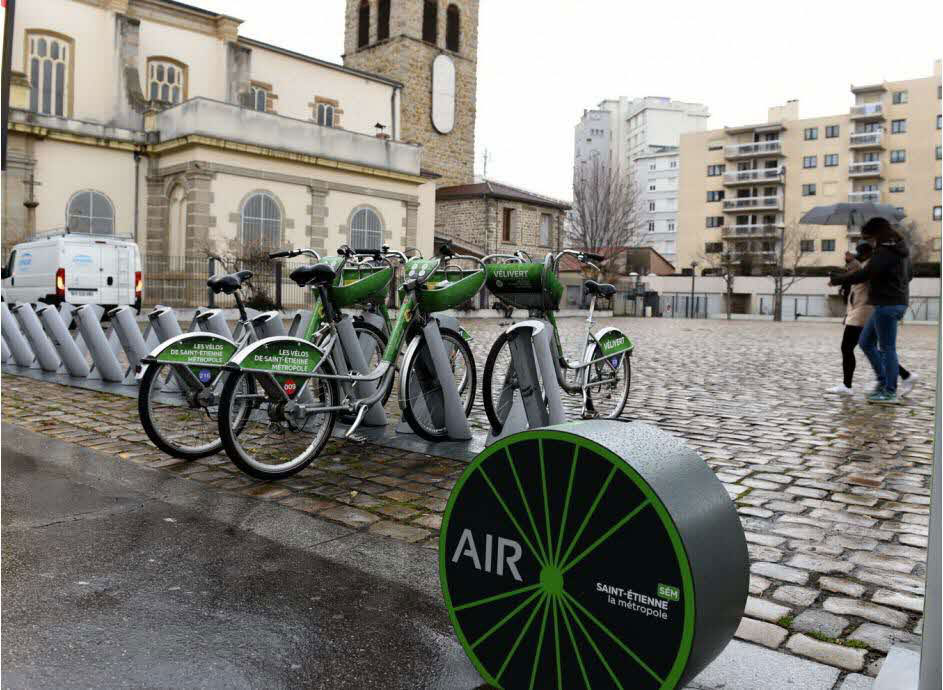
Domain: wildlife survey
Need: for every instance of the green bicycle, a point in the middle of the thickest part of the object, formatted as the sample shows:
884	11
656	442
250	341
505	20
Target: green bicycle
295	391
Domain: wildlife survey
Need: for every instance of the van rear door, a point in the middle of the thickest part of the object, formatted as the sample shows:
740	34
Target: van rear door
82	263
108	286
124	276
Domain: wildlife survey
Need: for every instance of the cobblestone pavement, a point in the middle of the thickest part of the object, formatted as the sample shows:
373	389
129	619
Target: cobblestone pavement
832	492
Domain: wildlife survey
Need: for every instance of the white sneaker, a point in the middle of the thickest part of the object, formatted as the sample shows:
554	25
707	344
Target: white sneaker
840	389
904	386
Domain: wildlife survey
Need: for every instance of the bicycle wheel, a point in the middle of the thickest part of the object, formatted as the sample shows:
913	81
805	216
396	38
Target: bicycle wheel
279	438
179	420
424	404
498	383
608	382
373	343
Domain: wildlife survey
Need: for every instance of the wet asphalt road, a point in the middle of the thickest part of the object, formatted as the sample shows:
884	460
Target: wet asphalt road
118	576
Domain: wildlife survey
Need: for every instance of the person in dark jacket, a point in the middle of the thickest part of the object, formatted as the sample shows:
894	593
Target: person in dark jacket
888	274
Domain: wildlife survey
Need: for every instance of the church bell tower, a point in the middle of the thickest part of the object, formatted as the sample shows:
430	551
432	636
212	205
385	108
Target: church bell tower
431	47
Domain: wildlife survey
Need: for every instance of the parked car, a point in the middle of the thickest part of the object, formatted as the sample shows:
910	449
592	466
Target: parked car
74	268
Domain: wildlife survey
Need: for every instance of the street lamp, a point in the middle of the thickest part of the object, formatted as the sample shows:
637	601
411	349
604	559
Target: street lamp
691	302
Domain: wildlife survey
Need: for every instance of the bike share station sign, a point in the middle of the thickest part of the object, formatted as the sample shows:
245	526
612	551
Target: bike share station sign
592	554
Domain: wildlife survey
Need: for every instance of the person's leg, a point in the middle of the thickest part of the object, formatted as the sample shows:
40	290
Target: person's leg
886	319
868	342
904	374
848	344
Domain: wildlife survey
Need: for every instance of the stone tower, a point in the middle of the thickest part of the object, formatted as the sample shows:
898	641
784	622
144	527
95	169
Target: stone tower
431	47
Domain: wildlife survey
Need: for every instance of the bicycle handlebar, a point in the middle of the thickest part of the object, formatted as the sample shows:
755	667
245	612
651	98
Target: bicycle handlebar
294	252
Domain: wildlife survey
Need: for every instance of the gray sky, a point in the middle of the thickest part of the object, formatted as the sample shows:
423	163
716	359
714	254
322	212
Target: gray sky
541	62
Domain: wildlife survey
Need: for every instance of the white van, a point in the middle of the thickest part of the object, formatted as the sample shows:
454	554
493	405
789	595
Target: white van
74	268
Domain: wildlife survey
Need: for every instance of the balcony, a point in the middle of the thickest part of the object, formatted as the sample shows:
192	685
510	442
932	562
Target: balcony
864	197
203	118
774	175
756	148
752	230
867	140
867	111
865	169
764	255
753	203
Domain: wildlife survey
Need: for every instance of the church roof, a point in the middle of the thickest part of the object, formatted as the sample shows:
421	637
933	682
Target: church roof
497	190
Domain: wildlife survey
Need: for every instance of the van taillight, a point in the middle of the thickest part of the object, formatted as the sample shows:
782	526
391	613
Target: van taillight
138	285
60	283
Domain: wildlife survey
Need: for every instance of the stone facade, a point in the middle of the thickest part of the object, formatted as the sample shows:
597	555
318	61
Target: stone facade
477	225
405	57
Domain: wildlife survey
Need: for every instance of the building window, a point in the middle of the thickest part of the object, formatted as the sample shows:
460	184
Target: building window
899	97
937	213
808	190
90	212
895	186
715	196
167	80
50	73
898	156
713	247
546	222
831	160
327	112
651	226
363	24
651	205
715	170
811	133
259	98
715	221
939	152
651	166
383	20
828	245
261	219
831	131
898	126
809	161
674	164
939	121
671	226
430	21
651	188
506	218
938	183
806	246
366	230
451	28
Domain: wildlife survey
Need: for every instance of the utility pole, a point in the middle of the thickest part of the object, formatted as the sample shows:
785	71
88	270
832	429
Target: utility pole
484	171
691	301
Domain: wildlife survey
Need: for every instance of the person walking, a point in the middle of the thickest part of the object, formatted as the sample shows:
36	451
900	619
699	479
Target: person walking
857	313
887	274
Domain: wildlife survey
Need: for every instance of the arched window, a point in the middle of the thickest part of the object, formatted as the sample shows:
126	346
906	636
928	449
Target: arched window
90	212
383	20
50	71
366	229
259	96
261	220
452	29
363	24
430	21
166	80
326	114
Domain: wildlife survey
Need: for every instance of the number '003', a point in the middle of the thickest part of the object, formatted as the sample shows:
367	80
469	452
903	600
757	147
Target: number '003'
466	547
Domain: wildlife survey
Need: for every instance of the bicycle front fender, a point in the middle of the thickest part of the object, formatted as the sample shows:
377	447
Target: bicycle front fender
200	351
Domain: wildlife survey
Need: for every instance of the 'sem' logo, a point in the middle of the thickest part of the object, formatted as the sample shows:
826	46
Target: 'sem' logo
466	547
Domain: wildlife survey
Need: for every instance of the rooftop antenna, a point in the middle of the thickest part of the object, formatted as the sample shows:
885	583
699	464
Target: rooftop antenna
484	172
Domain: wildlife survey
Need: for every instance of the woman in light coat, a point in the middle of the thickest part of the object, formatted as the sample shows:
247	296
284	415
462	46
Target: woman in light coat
857	313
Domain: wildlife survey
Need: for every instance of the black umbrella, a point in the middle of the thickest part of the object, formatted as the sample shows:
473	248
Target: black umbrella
851	214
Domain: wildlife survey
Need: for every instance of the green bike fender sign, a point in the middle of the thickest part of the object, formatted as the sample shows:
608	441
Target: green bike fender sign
538	538
280	355
613	341
202	349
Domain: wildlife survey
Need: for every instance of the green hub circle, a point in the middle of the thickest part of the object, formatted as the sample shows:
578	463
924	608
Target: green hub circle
551	580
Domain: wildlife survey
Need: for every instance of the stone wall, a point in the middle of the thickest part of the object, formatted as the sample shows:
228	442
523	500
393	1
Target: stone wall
407	59
477	223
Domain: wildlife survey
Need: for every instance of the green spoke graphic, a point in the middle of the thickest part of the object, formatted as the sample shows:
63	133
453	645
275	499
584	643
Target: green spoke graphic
589	513
540	642
530	619
511	516
556	637
504	620
496	597
579	658
566	503
609	532
543	486
530	516
592	644
613	637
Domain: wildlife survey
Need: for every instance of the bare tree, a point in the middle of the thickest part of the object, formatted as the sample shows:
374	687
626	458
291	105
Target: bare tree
722	264
606	210
793	250
919	247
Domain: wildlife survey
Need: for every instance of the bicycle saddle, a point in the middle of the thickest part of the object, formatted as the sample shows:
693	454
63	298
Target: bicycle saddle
228	283
318	274
601	289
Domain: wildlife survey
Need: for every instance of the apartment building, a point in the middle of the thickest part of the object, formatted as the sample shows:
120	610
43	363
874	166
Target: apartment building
740	186
640	136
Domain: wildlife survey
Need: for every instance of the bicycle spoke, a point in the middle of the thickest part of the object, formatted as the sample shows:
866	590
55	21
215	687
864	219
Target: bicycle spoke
592	643
540	642
496	597
576	649
589	514
530	515
500	624
566	505
543	485
510	515
520	636
612	530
